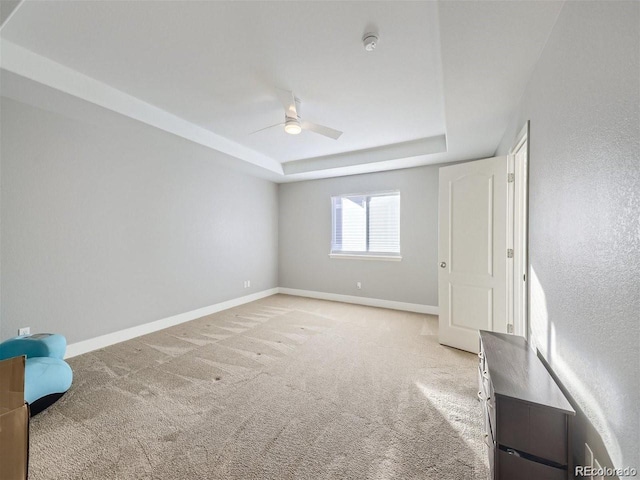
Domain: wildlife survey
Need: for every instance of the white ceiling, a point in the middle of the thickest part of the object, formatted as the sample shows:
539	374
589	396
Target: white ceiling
444	80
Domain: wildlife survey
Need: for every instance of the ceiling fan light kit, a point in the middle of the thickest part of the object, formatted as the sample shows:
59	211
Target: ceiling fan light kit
292	126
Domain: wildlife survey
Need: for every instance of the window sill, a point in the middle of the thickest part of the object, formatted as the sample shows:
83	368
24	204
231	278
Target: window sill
351	256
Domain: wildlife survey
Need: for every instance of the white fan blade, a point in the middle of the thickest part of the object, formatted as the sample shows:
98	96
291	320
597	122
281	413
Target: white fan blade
267	128
321	129
288	101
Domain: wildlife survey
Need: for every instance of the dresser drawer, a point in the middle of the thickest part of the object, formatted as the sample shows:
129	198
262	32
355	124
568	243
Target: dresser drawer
537	431
512	467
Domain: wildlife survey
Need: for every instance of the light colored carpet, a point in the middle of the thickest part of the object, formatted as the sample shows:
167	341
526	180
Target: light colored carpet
281	388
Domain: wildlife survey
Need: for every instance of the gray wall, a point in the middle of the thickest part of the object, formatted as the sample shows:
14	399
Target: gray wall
583	103
109	223
305	238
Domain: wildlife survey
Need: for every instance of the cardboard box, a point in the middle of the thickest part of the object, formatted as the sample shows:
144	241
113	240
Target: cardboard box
14	421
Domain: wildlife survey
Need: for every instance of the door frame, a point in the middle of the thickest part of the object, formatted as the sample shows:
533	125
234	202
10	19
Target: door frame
518	236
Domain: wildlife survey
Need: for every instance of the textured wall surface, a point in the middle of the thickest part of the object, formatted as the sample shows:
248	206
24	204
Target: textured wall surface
112	224
305	238
583	103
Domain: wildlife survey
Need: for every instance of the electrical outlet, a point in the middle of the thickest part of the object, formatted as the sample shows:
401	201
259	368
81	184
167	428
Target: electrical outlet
588	458
359	285
24	331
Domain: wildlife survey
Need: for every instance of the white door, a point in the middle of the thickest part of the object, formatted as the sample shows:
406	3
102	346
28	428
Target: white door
472	247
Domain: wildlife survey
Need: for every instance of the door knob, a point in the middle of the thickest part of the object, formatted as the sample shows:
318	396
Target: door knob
443	264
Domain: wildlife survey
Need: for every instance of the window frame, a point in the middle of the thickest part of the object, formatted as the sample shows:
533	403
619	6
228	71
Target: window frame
366	255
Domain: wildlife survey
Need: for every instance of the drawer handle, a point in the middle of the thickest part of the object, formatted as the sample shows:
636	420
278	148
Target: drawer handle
486	440
480	355
485	375
480	397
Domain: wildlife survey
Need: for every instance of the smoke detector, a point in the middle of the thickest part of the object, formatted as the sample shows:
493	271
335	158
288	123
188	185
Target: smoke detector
370	41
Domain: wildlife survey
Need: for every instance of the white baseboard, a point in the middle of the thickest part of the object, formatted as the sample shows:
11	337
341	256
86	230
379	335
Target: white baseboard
102	341
371	302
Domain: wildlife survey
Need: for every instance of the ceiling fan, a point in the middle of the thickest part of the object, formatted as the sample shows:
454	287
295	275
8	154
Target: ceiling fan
293	124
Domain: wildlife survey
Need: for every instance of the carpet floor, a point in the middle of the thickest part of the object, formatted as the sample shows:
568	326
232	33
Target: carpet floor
281	388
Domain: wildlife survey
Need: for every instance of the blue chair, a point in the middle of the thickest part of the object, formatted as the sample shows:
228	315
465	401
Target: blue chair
47	375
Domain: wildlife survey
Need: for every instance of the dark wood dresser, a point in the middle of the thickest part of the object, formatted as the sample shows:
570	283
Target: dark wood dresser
527	418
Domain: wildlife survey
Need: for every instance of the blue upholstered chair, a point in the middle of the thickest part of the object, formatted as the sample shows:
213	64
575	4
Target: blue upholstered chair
47	375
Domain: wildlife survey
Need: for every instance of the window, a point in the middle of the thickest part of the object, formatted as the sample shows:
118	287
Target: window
366	225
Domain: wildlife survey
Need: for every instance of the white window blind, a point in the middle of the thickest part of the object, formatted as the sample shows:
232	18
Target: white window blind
366	224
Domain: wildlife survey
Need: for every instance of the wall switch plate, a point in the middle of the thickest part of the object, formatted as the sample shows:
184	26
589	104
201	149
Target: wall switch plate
248	283
24	331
